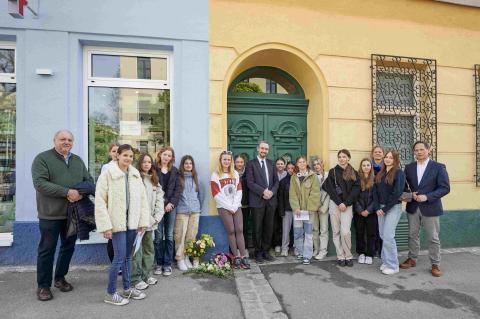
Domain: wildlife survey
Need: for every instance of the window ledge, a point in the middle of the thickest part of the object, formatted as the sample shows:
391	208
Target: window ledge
6	239
95	238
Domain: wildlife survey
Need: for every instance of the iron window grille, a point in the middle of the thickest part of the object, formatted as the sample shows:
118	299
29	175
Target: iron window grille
404	103
477	94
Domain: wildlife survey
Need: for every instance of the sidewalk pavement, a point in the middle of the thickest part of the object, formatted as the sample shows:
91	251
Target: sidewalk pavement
282	289
178	296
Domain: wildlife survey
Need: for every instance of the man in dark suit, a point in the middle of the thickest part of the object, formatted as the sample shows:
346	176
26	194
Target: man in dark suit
428	181
262	181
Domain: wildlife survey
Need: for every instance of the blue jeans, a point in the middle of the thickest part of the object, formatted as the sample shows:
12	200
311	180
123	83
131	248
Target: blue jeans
386	227
123	249
164	245
303	237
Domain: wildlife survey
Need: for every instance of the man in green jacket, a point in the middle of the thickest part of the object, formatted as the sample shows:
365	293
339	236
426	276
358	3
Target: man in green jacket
54	173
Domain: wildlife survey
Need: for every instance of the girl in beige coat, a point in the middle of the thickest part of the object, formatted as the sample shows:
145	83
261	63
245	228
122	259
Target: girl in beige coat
121	211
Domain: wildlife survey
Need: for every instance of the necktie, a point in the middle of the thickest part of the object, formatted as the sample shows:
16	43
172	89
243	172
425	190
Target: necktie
263	171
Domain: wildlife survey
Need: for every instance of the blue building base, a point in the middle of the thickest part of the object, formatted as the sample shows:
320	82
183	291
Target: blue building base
26	237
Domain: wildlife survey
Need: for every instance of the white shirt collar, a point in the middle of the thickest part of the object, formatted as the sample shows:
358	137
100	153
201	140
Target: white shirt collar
424	163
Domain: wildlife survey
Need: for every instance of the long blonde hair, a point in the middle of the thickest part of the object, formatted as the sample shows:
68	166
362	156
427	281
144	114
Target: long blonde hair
219	169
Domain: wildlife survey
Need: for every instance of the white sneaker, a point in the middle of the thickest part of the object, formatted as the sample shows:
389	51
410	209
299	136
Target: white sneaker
320	255
361	259
134	294
188	263
152	281
284	253
278	249
383	267
142	285
388	271
368	260
115	299
181	265
157	270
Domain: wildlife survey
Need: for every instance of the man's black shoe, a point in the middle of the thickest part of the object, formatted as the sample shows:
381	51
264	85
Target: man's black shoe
44	294
349	263
267	256
341	262
259	258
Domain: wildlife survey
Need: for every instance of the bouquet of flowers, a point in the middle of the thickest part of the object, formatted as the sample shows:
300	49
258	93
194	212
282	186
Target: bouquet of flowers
219	266
198	248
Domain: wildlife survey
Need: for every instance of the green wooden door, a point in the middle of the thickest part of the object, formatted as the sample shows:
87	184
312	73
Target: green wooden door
279	119
280	122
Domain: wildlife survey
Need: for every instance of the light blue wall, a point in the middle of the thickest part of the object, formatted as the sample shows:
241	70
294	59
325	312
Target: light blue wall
56	40
180	19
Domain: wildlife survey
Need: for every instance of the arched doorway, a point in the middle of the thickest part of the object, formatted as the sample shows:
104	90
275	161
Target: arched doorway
267	103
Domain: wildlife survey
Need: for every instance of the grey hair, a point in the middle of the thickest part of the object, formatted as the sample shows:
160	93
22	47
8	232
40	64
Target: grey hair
63	131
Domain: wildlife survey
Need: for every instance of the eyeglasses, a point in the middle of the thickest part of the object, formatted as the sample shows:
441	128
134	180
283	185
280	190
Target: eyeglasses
226	152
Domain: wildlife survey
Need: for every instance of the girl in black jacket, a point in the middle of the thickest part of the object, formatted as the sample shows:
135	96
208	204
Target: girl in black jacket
170	181
240	165
365	218
343	187
284	208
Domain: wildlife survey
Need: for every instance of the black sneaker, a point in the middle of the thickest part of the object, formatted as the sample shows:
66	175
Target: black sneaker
341	262
237	263
267	256
349	263
259	258
245	263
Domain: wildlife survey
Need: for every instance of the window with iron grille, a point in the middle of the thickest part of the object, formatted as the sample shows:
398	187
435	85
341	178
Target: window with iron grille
404	103
477	94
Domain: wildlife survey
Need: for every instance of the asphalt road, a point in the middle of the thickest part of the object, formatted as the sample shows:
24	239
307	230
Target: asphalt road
324	290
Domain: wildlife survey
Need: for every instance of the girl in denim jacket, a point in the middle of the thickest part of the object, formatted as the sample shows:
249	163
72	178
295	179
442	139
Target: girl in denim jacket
188	211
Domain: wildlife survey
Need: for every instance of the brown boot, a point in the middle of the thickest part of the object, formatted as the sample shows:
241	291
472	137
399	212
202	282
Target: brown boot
436	272
409	263
44	294
63	285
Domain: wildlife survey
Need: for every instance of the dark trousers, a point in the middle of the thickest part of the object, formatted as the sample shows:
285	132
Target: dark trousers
366	228
277	229
50	230
263	227
164	241
247	227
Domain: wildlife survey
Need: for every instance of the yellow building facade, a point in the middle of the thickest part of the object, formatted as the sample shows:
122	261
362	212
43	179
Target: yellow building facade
327	47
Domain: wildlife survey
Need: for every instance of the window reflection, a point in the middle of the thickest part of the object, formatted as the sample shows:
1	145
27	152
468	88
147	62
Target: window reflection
7	156
129	67
140	117
7	61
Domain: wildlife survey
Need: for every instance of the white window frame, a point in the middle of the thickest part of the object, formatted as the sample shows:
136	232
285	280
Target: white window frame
6	239
91	81
123	82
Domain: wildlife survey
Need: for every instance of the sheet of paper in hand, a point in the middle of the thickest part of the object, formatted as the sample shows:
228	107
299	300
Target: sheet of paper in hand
137	243
304	215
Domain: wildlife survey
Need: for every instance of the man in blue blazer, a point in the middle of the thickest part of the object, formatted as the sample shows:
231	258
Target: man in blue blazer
262	182
428	181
